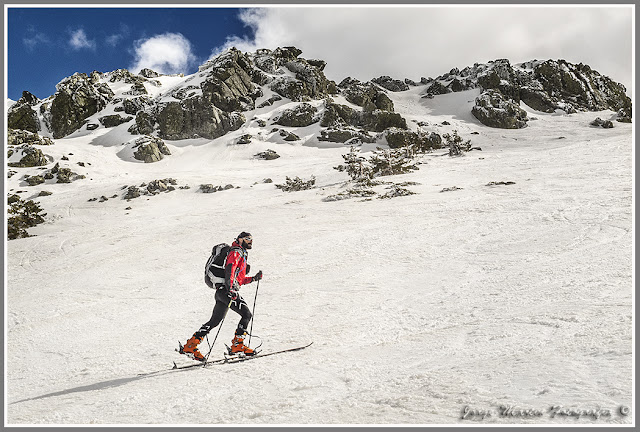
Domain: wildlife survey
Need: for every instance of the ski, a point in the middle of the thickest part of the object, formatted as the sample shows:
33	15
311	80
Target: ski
228	360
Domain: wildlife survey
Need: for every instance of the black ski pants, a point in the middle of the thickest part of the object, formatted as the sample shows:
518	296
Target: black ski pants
239	306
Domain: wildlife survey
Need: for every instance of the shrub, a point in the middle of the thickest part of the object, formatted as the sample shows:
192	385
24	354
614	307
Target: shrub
456	144
23	215
296	184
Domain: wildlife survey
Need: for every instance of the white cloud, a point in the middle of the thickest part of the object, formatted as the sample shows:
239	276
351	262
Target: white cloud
34	39
167	53
79	40
414	41
116	38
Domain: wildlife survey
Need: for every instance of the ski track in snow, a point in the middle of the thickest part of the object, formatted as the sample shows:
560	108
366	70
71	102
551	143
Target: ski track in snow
418	306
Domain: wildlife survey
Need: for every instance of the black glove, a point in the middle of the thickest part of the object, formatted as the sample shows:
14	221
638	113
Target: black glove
258	276
233	295
247	271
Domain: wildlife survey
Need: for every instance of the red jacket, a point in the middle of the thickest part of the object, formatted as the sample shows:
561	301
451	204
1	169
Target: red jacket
235	268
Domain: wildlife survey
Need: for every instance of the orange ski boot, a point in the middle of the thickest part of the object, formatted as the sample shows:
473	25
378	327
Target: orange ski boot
191	348
238	346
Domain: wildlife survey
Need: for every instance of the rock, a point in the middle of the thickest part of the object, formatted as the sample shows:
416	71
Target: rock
35	180
270	101
366	95
228	85
209	188
391	84
64	175
45	193
113	120
17	137
379	120
289	136
607	124
29	157
92	126
148	73
144	124
195	116
244	139
336	115
494	110
150	149
132	192
346	135
133	105
267	155
76	98
22	116
397	138
300	116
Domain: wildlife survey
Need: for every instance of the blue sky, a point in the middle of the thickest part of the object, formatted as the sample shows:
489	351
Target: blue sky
363	42
47	45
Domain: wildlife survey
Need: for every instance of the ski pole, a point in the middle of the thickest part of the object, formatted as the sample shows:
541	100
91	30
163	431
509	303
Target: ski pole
219	328
253	311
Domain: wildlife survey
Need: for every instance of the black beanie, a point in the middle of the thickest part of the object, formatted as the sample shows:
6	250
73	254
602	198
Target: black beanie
243	235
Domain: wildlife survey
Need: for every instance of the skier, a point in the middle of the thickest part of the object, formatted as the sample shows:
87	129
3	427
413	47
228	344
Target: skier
227	297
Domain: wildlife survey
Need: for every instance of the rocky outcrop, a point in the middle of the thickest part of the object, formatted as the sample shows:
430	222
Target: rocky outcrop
494	110
195	117
228	85
367	95
21	137
391	84
302	115
346	135
21	115
397	138
150	149
267	155
27	156
76	98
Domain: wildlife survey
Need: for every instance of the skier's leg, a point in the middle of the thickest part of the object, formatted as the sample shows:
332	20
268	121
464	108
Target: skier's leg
219	311
240	307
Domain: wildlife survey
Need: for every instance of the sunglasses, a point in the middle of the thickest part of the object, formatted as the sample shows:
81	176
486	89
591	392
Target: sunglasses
248	239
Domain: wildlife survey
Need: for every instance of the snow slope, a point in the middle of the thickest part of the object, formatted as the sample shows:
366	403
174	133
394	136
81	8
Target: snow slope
418	306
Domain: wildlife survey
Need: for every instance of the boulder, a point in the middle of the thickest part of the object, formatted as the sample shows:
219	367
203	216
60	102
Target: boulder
133	105
113	120
29	157
336	115
300	116
150	149
366	95
267	155
397	138
35	180
346	136
494	110
379	120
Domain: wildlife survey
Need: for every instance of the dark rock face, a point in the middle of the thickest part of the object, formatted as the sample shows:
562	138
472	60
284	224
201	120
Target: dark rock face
366	95
300	116
494	110
391	84
22	116
113	120
77	98
397	138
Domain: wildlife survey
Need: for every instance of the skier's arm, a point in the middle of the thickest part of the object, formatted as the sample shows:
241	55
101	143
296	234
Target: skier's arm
233	261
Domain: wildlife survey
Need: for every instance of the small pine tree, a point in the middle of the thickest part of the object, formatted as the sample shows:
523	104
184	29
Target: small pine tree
355	166
456	144
392	161
25	214
296	184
